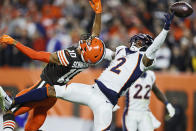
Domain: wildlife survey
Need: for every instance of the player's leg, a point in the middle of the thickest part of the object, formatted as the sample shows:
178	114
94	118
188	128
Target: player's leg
8	118
103	117
26	107
102	110
9	122
74	92
129	121
89	95
38	114
146	123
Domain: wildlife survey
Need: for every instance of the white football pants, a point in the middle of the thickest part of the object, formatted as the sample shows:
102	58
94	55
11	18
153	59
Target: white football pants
91	96
140	120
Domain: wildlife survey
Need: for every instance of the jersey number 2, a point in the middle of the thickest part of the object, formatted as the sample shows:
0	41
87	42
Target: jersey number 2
116	69
138	96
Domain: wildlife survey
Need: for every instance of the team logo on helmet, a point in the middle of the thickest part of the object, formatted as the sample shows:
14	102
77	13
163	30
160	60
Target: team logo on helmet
92	50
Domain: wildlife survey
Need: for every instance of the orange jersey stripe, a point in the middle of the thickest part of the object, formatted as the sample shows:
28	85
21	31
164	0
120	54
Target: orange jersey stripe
61	59
9	125
6	122
64	58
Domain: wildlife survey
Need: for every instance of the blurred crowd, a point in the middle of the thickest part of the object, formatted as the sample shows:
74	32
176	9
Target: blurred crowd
50	25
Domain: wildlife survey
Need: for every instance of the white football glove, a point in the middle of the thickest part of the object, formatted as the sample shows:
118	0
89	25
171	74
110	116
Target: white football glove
170	109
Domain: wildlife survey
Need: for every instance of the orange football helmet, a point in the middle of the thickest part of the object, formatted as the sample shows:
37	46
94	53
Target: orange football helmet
92	50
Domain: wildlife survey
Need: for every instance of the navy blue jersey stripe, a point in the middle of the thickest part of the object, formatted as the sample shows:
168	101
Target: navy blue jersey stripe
126	111
108	128
134	76
118	51
110	94
128	51
127	100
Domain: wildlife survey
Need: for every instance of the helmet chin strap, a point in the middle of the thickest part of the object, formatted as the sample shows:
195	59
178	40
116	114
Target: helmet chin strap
134	48
82	57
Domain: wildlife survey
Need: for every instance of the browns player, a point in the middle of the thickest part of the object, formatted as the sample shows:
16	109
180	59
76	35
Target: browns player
62	66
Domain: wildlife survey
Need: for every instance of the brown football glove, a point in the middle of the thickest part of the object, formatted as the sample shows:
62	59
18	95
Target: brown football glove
96	6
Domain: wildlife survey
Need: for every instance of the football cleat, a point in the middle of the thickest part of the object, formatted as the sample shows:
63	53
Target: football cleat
5	100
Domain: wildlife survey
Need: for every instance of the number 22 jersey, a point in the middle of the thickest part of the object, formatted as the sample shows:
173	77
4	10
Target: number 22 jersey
138	96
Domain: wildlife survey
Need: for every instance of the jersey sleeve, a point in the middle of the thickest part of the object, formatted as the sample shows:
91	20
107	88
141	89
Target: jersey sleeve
63	57
119	48
120	51
109	54
152	75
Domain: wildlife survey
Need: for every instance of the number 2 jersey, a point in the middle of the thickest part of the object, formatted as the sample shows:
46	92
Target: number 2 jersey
71	65
138	96
122	72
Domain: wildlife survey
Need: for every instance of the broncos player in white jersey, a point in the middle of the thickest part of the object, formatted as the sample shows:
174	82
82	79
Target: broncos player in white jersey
127	66
137	115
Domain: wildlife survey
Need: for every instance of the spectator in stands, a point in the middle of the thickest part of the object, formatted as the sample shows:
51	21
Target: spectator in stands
163	58
38	22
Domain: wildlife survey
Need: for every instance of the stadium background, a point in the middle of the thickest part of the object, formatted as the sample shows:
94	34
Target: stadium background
57	24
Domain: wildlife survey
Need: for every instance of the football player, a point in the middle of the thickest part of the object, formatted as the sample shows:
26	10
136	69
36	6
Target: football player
127	66
137	115
62	66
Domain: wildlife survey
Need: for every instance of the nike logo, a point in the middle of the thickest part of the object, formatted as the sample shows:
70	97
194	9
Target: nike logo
107	102
6	99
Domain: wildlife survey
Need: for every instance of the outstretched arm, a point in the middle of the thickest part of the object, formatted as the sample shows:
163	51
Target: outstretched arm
158	42
34	55
96	6
163	99
159	94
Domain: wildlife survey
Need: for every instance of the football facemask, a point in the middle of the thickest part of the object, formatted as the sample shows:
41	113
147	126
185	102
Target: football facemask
144	39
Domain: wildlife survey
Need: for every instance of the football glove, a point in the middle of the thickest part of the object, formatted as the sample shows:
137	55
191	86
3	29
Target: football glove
6	39
168	20
170	109
96	6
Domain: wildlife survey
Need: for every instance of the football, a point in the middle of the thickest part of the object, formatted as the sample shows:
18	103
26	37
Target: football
181	9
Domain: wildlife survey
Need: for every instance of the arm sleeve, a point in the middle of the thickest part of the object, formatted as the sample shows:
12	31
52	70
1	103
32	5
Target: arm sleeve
153	77
157	43
109	54
35	55
63	58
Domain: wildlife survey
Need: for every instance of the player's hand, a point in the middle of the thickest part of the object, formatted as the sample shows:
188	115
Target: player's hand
6	39
168	20
96	5
170	109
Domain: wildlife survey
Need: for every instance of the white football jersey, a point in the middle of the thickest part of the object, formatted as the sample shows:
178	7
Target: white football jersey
138	96
123	70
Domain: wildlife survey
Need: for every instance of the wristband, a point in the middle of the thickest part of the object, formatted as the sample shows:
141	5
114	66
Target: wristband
166	102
